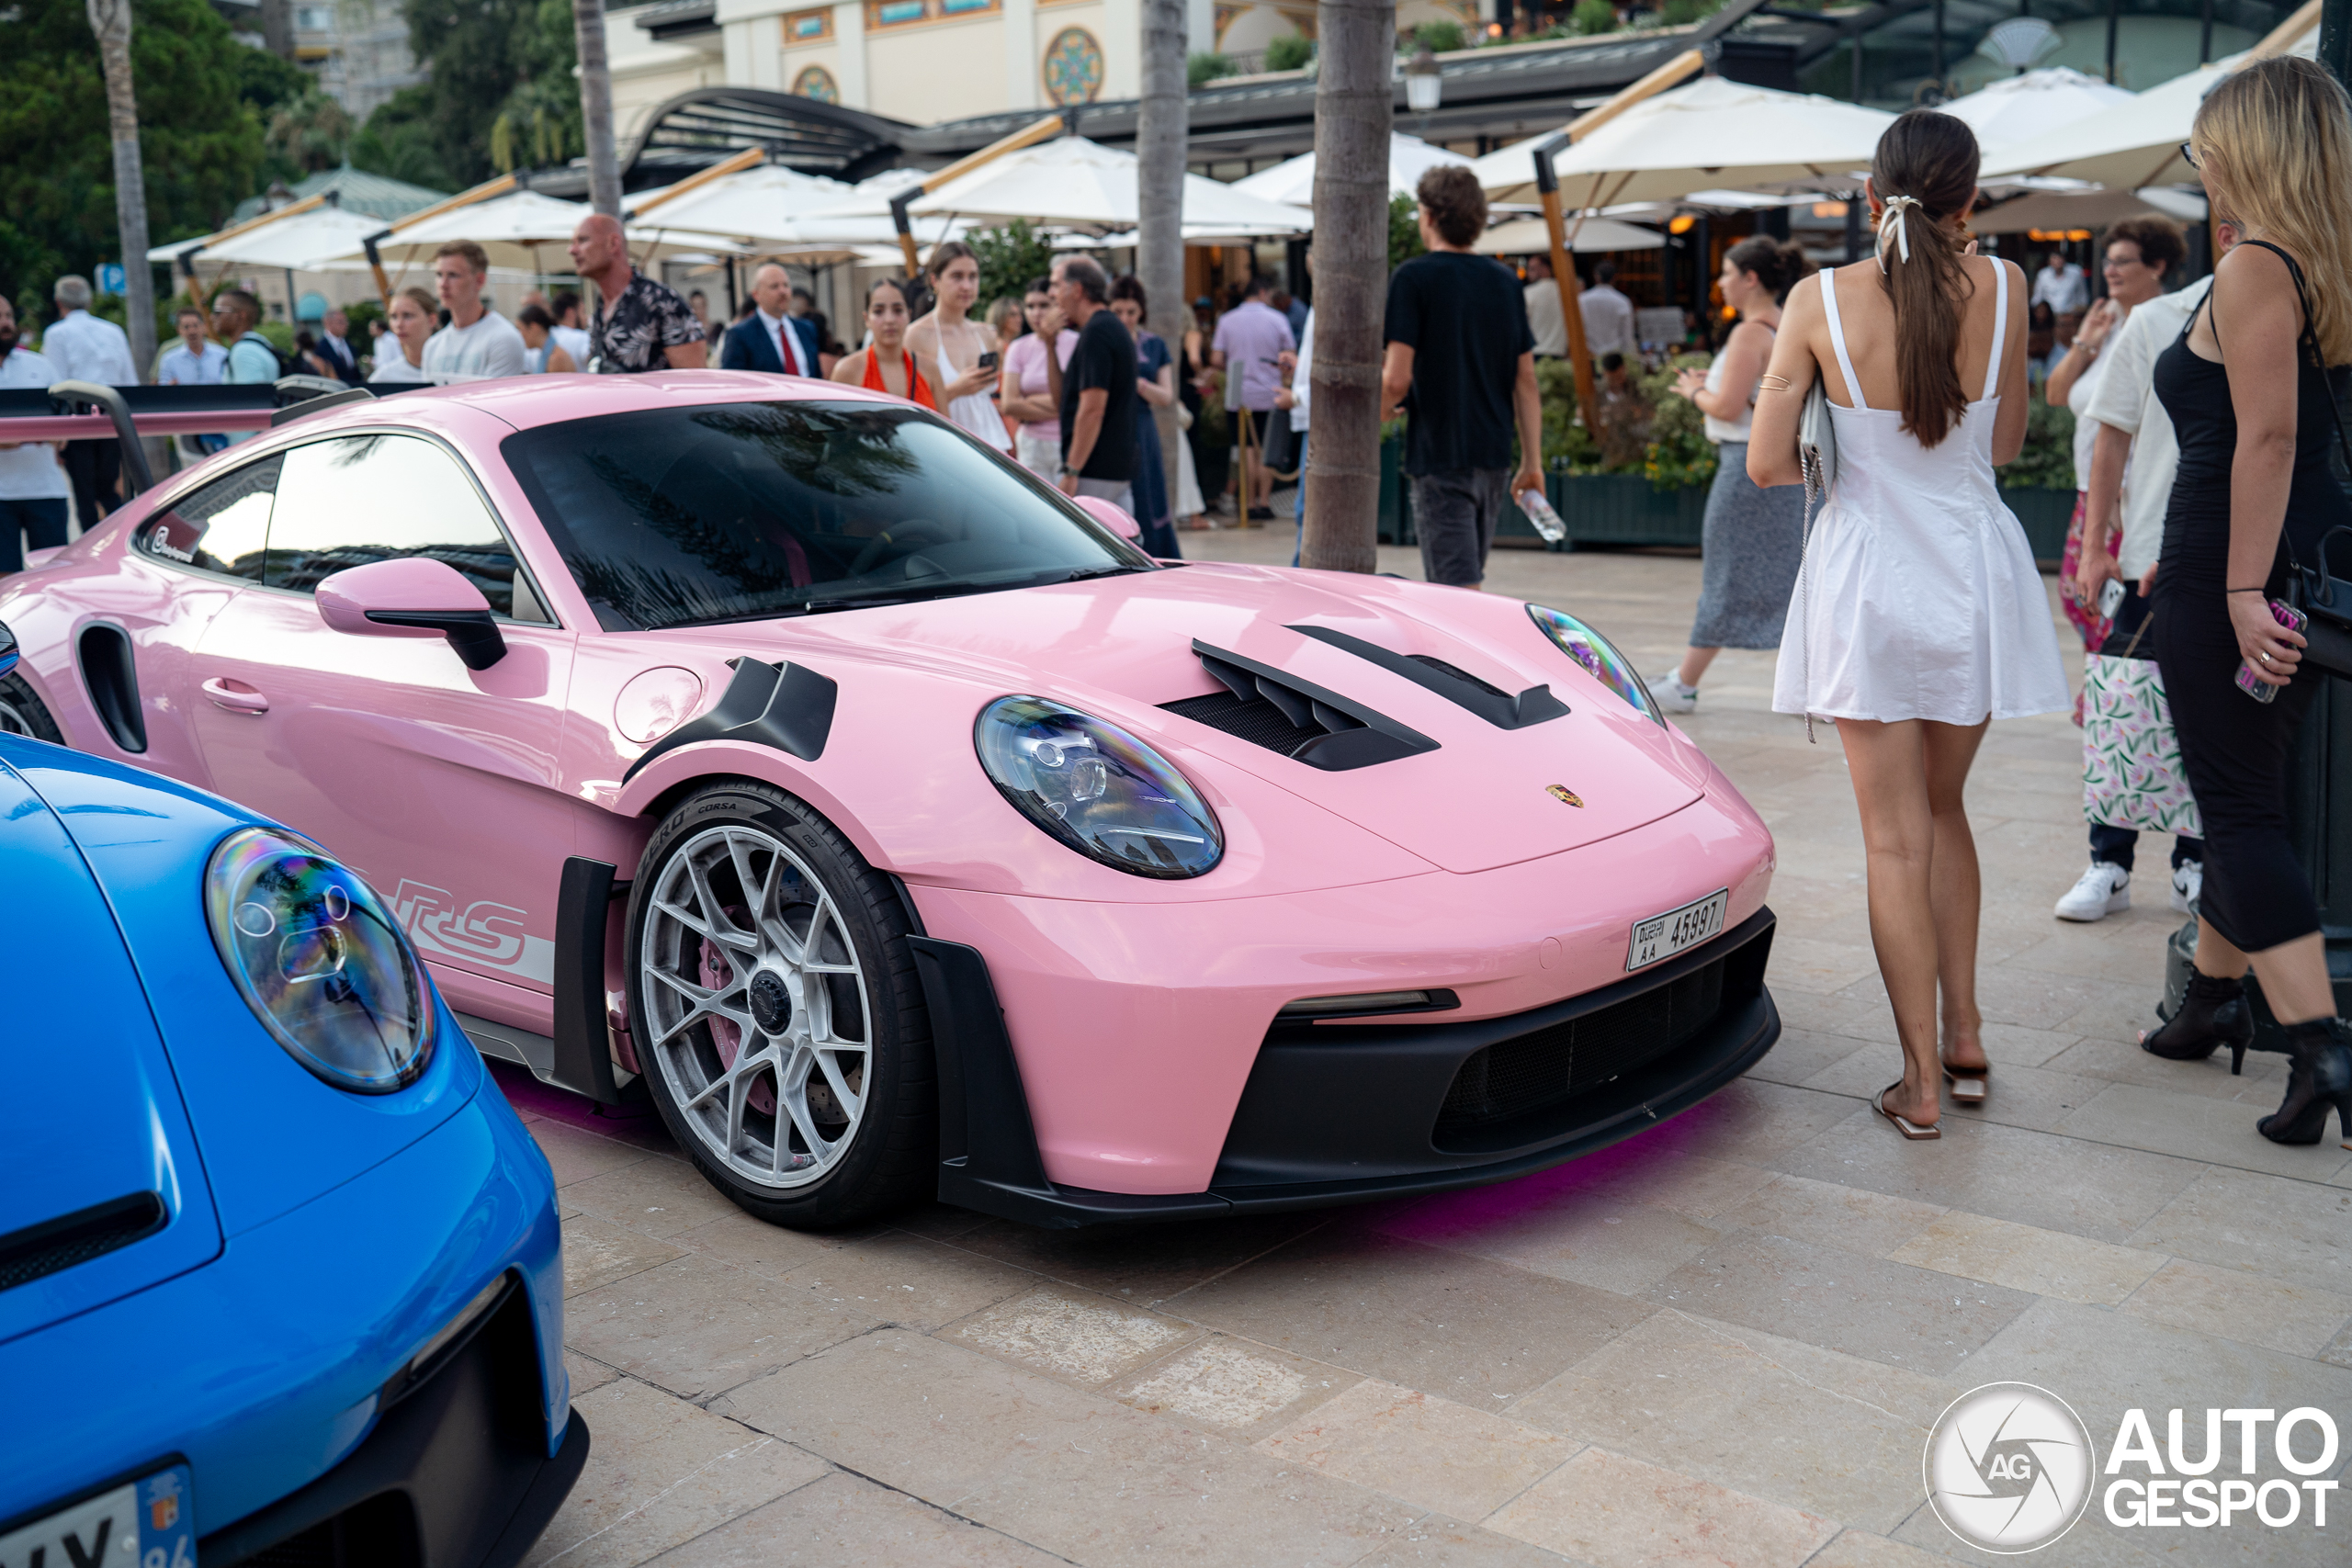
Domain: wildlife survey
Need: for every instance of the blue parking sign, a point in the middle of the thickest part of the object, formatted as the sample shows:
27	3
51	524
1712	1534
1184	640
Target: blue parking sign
111	278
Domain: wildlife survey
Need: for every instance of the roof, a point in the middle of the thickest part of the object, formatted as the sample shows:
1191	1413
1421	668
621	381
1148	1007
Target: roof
377	196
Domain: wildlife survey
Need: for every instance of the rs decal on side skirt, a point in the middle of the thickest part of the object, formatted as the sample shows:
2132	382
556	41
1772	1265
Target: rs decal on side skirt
484	933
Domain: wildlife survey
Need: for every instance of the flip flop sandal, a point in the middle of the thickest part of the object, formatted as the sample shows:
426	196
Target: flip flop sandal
1911	1130
1970	1086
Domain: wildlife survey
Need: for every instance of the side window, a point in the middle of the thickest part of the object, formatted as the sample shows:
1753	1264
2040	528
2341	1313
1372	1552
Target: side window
358	499
220	527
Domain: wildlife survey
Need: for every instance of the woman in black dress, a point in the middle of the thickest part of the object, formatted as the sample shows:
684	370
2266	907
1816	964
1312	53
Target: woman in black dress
2249	394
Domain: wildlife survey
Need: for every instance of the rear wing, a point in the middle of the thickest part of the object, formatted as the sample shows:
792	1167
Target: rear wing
83	410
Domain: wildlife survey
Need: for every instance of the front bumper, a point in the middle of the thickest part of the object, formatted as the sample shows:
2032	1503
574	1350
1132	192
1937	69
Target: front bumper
264	1369
1337	1113
457	1474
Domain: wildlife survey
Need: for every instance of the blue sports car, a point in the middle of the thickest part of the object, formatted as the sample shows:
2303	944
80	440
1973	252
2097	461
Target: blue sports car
280	1270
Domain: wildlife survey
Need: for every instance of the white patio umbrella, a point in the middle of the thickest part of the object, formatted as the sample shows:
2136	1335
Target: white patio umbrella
1713	132
525	229
300	242
2138	143
1409	158
754	204
1528	236
2018	108
1071	183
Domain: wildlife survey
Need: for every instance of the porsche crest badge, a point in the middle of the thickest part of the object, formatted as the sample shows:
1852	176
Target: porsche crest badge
1564	793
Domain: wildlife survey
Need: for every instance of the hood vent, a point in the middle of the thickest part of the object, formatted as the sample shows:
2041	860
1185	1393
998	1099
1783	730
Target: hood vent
38	1251
1459	687
1303	721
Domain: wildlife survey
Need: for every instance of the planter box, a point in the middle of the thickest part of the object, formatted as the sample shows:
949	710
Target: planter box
1615	509
2043	514
1396	522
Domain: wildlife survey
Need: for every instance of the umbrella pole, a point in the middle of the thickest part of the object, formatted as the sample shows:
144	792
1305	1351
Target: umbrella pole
1563	272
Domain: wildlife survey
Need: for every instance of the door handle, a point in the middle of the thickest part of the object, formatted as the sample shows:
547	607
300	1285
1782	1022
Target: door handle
236	699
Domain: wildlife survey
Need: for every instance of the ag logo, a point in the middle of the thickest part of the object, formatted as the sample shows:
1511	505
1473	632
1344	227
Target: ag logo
2008	1468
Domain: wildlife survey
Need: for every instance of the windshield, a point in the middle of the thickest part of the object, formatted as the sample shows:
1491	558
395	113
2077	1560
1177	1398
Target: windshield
676	517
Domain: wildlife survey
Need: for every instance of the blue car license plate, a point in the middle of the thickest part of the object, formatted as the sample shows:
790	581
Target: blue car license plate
1663	936
146	1523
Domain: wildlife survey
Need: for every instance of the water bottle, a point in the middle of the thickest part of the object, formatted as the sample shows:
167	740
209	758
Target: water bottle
1539	512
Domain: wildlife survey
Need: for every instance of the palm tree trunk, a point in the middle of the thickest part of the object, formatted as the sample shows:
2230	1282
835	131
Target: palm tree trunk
1160	136
110	21
595	107
1354	95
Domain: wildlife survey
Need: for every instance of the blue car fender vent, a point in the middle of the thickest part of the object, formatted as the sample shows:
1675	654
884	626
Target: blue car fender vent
54	1245
1457	686
1303	721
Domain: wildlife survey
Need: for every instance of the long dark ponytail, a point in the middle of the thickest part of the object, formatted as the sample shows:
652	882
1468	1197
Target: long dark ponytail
1930	159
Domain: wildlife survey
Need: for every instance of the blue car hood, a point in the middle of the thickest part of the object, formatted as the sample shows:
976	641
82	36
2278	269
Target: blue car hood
270	1134
101	1191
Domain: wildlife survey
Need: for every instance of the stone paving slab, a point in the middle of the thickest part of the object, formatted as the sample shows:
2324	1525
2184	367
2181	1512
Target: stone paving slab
1721	1342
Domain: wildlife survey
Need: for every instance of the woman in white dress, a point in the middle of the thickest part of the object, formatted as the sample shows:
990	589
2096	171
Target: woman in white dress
1919	616
964	350
399	353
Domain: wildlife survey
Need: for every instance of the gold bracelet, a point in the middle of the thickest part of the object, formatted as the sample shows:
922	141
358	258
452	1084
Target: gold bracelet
1772	383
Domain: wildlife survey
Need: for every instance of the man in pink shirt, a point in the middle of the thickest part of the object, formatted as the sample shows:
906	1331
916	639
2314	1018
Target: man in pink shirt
1252	338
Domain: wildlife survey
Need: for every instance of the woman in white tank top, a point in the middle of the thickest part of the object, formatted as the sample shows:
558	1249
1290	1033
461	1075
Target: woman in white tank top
1918	616
957	346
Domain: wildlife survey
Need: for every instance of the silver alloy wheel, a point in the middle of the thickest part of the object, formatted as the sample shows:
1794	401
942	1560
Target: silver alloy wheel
14	720
758	1017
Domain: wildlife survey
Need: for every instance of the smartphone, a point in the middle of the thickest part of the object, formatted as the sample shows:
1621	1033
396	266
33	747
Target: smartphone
988	360
2253	685
2111	599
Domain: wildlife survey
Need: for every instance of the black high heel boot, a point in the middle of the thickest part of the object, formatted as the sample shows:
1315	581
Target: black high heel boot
2213	1013
2319	1078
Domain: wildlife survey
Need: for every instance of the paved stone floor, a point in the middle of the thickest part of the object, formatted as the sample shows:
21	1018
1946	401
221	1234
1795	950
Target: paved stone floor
1720	1343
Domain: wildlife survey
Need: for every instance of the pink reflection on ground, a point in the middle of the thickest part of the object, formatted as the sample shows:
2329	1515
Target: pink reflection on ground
1475	1211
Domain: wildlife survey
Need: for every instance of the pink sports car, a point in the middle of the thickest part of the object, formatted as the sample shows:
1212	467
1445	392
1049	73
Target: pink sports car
777	751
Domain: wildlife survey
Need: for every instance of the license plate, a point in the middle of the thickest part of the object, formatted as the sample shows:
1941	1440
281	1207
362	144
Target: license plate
146	1523
1663	936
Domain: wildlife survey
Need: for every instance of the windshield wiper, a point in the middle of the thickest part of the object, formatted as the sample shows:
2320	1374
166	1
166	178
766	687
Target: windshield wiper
1084	574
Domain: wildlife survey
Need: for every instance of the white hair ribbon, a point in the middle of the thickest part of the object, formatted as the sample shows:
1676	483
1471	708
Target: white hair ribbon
1891	227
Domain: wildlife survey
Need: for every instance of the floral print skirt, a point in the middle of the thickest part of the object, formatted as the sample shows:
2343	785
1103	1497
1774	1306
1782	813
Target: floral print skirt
2131	772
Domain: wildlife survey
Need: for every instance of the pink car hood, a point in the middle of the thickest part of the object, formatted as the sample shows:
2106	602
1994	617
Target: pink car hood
1120	648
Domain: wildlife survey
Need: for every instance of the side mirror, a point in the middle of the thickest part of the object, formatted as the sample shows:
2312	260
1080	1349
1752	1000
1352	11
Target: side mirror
1110	516
413	596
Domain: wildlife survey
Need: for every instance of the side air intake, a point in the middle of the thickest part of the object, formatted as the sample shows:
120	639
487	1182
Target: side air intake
1459	687
1303	721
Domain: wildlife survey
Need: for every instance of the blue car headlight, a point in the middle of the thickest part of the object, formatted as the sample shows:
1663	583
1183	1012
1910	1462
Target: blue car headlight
1097	788
319	960
1596	654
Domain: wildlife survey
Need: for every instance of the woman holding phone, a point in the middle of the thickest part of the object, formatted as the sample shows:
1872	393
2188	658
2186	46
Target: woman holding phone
964	350
2248	385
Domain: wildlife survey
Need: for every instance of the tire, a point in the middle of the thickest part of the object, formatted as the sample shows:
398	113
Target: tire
790	1055
22	713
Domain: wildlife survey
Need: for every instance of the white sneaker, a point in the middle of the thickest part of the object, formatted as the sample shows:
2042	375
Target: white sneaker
2105	889
1672	696
2187	882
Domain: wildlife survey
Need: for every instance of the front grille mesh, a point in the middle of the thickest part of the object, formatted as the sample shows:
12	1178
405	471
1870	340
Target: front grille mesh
1546	1066
38	1251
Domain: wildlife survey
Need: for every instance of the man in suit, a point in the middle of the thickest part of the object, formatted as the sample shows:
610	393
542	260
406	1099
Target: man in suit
334	342
771	339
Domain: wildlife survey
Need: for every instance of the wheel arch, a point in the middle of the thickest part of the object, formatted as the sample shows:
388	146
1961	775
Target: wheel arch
669	778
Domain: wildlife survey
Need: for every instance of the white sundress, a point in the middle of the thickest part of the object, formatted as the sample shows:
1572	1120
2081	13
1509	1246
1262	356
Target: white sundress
1919	598
975	411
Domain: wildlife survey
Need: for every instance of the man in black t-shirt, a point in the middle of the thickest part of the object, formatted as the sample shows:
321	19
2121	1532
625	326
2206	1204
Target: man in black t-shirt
1461	361
1096	391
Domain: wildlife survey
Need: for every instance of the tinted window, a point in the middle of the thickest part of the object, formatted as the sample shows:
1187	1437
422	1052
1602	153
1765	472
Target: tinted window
220	527
675	517
368	498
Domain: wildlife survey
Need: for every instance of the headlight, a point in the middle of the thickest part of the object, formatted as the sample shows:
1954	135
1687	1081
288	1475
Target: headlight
1596	654
319	960
1097	788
